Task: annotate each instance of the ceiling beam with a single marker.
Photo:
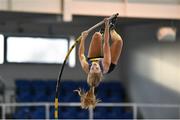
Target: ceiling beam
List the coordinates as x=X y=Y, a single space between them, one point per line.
x=68 y=8
x=126 y=9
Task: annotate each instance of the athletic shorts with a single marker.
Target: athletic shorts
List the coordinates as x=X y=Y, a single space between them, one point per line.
x=111 y=68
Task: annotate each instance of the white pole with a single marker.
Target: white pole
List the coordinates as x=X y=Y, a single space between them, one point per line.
x=91 y=113
x=91 y=116
x=135 y=112
x=3 y=112
x=179 y=111
x=47 y=111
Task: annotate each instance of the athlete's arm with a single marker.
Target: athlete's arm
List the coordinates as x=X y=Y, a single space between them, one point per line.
x=81 y=55
x=106 y=47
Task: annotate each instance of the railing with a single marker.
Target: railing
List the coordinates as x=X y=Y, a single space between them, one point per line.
x=48 y=105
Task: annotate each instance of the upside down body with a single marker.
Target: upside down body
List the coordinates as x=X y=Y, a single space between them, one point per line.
x=97 y=63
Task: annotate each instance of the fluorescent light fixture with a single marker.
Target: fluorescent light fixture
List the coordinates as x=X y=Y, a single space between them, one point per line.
x=72 y=56
x=167 y=34
x=1 y=49
x=36 y=50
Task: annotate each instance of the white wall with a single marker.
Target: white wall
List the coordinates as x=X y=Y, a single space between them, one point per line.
x=153 y=70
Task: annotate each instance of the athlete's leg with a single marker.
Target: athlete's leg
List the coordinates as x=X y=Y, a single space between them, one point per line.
x=95 y=48
x=116 y=46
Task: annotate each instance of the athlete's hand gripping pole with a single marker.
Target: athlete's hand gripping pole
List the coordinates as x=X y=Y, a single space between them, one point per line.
x=56 y=104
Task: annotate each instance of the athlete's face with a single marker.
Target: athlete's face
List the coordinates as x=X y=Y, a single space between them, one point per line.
x=95 y=68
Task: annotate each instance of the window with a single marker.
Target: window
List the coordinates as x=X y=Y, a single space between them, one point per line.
x=36 y=50
x=1 y=49
x=72 y=56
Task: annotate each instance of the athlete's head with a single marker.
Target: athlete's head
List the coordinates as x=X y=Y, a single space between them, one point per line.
x=88 y=99
x=95 y=75
x=95 y=68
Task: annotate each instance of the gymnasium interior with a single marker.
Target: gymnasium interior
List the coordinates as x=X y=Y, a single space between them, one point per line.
x=35 y=36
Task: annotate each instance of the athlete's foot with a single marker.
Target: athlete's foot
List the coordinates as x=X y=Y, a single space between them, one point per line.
x=112 y=23
x=101 y=30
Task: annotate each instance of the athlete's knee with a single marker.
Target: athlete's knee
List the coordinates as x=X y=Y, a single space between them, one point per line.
x=118 y=42
x=97 y=35
x=116 y=37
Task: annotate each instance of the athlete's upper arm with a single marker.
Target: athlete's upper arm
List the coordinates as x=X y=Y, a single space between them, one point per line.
x=84 y=63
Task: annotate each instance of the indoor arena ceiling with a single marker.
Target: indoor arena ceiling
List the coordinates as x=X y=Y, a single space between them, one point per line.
x=20 y=17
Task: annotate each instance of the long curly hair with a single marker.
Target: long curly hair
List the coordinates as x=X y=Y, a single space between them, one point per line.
x=88 y=99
